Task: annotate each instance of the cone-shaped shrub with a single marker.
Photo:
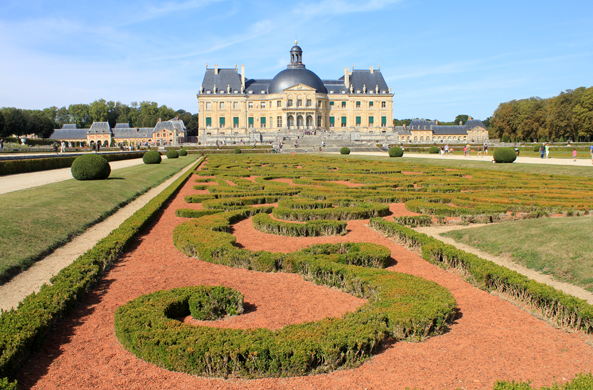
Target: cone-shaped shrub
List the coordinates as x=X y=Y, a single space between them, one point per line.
x=90 y=167
x=504 y=155
x=152 y=157
x=396 y=152
x=172 y=154
x=345 y=150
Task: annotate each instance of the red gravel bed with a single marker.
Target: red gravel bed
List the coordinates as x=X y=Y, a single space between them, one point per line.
x=490 y=339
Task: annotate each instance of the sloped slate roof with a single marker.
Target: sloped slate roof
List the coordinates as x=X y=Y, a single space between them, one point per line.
x=70 y=133
x=224 y=78
x=100 y=128
x=256 y=86
x=143 y=132
x=361 y=78
x=69 y=126
x=452 y=130
x=335 y=86
x=474 y=123
x=122 y=126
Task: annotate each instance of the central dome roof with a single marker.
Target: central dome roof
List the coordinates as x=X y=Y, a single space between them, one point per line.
x=294 y=74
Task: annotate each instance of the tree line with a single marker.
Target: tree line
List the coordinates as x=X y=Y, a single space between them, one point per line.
x=568 y=116
x=43 y=122
x=459 y=118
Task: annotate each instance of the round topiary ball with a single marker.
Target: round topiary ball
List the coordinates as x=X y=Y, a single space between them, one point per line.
x=152 y=157
x=183 y=152
x=172 y=154
x=237 y=151
x=90 y=167
x=504 y=155
x=345 y=150
x=434 y=150
x=396 y=152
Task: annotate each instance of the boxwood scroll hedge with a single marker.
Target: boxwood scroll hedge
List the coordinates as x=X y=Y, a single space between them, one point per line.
x=23 y=330
x=400 y=306
x=265 y=223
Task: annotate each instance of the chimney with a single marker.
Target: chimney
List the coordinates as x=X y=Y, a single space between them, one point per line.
x=372 y=70
x=242 y=78
x=470 y=118
x=460 y=123
x=216 y=69
x=437 y=122
x=159 y=121
x=347 y=78
x=404 y=126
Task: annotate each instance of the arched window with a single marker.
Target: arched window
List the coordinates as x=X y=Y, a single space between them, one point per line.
x=300 y=123
x=309 y=121
x=290 y=121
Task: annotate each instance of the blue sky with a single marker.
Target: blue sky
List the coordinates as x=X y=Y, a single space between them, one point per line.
x=441 y=58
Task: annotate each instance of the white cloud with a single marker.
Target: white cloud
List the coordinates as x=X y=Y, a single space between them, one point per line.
x=329 y=7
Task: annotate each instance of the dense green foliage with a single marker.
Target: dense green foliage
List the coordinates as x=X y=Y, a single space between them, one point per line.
x=23 y=330
x=396 y=151
x=345 y=150
x=172 y=154
x=434 y=150
x=504 y=155
x=264 y=223
x=182 y=152
x=152 y=157
x=237 y=150
x=90 y=167
x=568 y=116
x=207 y=303
x=11 y=167
x=580 y=382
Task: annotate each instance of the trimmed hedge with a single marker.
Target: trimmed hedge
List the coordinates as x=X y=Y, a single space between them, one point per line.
x=172 y=154
x=414 y=221
x=434 y=150
x=504 y=155
x=362 y=211
x=264 y=223
x=400 y=306
x=560 y=308
x=580 y=382
x=345 y=150
x=23 y=330
x=396 y=152
x=11 y=167
x=237 y=151
x=182 y=152
x=152 y=157
x=90 y=167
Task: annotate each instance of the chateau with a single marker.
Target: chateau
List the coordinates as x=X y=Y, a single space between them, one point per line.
x=296 y=98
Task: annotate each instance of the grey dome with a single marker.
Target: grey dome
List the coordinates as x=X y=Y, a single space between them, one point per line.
x=293 y=76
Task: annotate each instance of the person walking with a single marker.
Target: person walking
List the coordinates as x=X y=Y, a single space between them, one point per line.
x=63 y=147
x=542 y=150
x=574 y=154
x=591 y=154
x=547 y=146
x=485 y=149
x=446 y=149
x=2 y=143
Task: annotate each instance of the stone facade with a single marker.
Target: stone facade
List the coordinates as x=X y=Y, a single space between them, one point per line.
x=296 y=99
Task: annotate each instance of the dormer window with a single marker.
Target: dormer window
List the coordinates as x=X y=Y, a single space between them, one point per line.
x=262 y=91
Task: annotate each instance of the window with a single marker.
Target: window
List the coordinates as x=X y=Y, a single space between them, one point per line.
x=319 y=104
x=371 y=121
x=358 y=121
x=222 y=121
x=343 y=121
x=289 y=103
x=357 y=104
x=208 y=122
x=343 y=104
x=262 y=122
x=279 y=103
x=331 y=104
x=332 y=121
x=299 y=102
x=308 y=102
x=235 y=105
x=279 y=121
x=250 y=122
x=250 y=104
x=383 y=121
x=222 y=105
x=208 y=106
x=319 y=121
x=235 y=122
x=370 y=104
x=383 y=104
x=263 y=104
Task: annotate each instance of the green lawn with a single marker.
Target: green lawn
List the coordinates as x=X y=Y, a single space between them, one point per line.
x=561 y=247
x=36 y=220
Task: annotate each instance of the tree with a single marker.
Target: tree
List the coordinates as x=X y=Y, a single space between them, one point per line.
x=99 y=110
x=80 y=114
x=1 y=123
x=14 y=121
x=583 y=115
x=62 y=116
x=461 y=118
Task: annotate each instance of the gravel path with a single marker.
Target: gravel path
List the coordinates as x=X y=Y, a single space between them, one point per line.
x=21 y=181
x=505 y=261
x=32 y=279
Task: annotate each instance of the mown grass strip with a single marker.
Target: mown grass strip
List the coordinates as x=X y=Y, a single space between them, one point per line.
x=35 y=221
x=23 y=330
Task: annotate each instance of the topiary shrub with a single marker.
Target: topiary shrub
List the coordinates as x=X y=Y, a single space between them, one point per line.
x=183 y=152
x=345 y=150
x=504 y=155
x=90 y=167
x=152 y=157
x=396 y=152
x=434 y=150
x=237 y=151
x=172 y=154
